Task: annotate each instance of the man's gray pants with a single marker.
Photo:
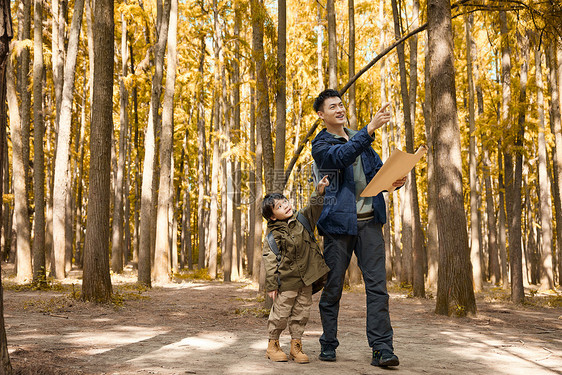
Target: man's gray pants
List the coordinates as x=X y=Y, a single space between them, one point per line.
x=368 y=245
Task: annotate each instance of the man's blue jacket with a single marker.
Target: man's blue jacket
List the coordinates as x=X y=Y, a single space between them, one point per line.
x=335 y=157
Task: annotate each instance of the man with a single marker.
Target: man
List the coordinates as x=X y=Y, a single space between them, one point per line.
x=350 y=223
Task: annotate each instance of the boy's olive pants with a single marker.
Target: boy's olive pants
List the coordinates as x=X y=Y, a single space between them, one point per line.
x=291 y=307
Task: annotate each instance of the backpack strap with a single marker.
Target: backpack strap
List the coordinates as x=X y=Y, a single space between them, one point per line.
x=302 y=219
x=275 y=249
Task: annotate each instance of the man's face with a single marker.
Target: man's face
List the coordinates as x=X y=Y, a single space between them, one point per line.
x=333 y=112
x=282 y=210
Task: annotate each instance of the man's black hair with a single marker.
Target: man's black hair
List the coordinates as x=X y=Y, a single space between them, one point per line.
x=319 y=101
x=268 y=203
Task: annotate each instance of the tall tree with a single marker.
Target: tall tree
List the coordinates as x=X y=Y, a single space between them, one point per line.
x=237 y=219
x=23 y=239
x=117 y=242
x=24 y=33
x=162 y=255
x=96 y=285
x=516 y=256
x=455 y=293
x=352 y=107
x=407 y=217
x=332 y=45
x=546 y=274
x=556 y=78
x=217 y=120
x=61 y=188
x=418 y=258
x=263 y=121
x=281 y=97
x=201 y=156
x=319 y=41
x=39 y=271
x=149 y=165
x=432 y=232
x=507 y=165
x=493 y=263
x=475 y=250
x=6 y=34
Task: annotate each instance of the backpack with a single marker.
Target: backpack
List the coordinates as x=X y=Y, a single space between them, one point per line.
x=318 y=284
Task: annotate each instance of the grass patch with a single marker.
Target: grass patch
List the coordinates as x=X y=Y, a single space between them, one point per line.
x=258 y=312
x=53 y=305
x=199 y=274
x=50 y=285
x=552 y=301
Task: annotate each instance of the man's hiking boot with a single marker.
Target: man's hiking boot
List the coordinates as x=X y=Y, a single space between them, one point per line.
x=327 y=354
x=296 y=353
x=274 y=351
x=384 y=358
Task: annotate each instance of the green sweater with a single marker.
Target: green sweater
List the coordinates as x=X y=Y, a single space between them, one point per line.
x=302 y=262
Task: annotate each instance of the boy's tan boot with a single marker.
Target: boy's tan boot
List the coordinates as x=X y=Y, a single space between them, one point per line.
x=296 y=352
x=274 y=351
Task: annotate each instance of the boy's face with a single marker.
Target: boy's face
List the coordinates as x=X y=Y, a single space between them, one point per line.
x=282 y=210
x=333 y=112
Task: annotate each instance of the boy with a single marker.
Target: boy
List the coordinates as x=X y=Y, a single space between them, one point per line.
x=293 y=261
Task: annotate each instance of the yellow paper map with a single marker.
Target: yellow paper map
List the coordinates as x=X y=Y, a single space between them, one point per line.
x=398 y=165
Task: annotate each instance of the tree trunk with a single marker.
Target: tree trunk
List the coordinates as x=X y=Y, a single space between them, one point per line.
x=281 y=97
x=418 y=248
x=149 y=166
x=173 y=220
x=332 y=46
x=201 y=159
x=397 y=198
x=407 y=216
x=61 y=186
x=385 y=141
x=227 y=232
x=474 y=223
x=319 y=38
x=258 y=223
x=215 y=162
x=23 y=240
x=506 y=126
x=80 y=151
x=515 y=253
x=253 y=214
x=165 y=198
x=117 y=227
x=24 y=33
x=493 y=263
x=186 y=248
x=558 y=139
x=546 y=275
x=432 y=236
x=501 y=221
x=556 y=129
x=263 y=121
x=5 y=36
x=57 y=49
x=352 y=107
x=237 y=257
x=96 y=284
x=455 y=293
x=39 y=271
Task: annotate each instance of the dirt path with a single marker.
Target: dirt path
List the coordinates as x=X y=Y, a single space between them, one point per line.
x=215 y=328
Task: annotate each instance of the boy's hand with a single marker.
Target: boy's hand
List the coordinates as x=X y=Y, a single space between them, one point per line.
x=321 y=187
x=272 y=294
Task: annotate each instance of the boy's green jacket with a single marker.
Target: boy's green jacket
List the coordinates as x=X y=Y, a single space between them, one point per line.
x=302 y=262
